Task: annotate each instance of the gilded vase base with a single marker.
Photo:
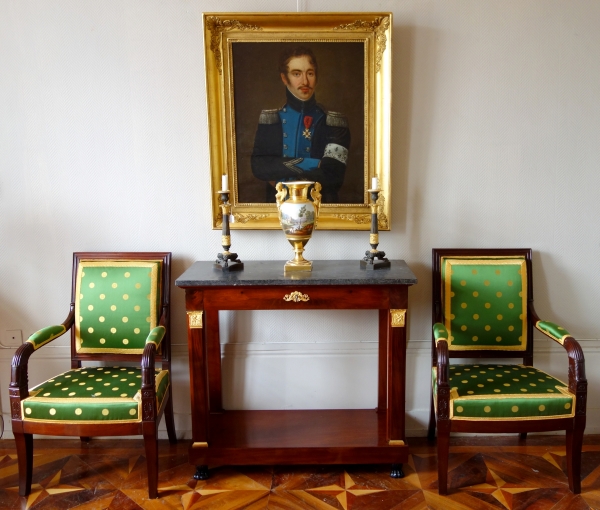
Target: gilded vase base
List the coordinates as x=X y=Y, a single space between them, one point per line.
x=292 y=266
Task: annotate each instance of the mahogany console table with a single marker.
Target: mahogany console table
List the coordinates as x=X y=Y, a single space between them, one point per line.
x=353 y=436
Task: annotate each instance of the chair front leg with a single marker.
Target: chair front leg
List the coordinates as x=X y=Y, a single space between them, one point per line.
x=150 y=430
x=25 y=461
x=578 y=385
x=443 y=452
x=149 y=418
x=18 y=391
x=574 y=446
x=443 y=415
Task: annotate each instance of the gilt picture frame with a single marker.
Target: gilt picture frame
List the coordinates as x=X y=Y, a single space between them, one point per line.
x=265 y=126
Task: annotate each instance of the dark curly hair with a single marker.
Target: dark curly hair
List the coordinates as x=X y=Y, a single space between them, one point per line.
x=298 y=51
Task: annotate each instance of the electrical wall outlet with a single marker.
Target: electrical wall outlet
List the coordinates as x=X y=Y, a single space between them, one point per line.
x=12 y=338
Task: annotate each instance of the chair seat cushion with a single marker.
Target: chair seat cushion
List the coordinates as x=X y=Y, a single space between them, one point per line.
x=91 y=395
x=505 y=392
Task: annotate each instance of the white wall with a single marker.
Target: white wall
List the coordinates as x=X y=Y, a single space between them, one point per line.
x=103 y=146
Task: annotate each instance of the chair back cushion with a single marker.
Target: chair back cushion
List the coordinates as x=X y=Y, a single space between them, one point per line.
x=117 y=303
x=484 y=302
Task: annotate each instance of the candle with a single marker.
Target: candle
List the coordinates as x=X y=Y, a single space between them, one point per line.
x=224 y=183
x=374 y=183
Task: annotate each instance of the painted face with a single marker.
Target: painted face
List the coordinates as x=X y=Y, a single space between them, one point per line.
x=301 y=78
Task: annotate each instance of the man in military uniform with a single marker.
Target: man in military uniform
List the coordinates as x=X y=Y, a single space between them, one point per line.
x=301 y=140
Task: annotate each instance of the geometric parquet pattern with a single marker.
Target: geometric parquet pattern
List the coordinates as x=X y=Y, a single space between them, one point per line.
x=491 y=472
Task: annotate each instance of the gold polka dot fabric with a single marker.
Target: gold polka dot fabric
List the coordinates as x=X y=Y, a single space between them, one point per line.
x=92 y=394
x=554 y=331
x=45 y=335
x=506 y=392
x=117 y=305
x=485 y=303
x=440 y=332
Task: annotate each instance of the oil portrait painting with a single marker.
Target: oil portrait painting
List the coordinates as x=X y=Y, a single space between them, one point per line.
x=299 y=97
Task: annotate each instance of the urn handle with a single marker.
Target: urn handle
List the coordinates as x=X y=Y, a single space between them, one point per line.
x=281 y=194
x=315 y=194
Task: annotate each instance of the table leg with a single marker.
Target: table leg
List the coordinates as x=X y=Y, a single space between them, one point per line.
x=382 y=361
x=198 y=379
x=213 y=359
x=397 y=365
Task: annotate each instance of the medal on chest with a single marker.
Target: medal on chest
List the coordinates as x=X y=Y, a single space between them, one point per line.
x=307 y=123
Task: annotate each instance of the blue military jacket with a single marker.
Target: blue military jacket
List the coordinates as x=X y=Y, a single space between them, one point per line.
x=301 y=141
x=297 y=137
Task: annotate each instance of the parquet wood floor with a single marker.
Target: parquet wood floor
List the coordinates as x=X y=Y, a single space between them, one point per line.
x=488 y=472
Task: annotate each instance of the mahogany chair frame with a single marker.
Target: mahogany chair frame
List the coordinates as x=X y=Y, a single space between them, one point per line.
x=441 y=355
x=148 y=426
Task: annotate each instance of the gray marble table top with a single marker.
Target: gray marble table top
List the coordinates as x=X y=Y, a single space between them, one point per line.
x=270 y=272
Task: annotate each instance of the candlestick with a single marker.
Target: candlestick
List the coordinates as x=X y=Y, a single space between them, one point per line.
x=374 y=259
x=226 y=261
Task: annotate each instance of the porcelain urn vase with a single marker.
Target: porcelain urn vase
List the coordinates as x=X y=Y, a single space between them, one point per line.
x=298 y=217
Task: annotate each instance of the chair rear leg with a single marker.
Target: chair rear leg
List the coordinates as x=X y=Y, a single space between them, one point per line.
x=151 y=447
x=443 y=451
x=25 y=461
x=522 y=436
x=170 y=419
x=574 y=445
x=85 y=439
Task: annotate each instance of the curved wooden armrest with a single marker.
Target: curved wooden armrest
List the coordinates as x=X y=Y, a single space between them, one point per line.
x=443 y=369
x=443 y=375
x=48 y=334
x=19 y=384
x=156 y=335
x=149 y=410
x=150 y=350
x=148 y=365
x=577 y=378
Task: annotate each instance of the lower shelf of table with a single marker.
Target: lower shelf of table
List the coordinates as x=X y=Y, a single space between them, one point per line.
x=297 y=437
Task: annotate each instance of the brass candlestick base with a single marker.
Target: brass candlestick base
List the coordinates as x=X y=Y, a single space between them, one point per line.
x=374 y=259
x=226 y=261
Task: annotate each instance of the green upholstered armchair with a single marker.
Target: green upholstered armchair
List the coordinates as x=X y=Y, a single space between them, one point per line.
x=119 y=314
x=483 y=309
